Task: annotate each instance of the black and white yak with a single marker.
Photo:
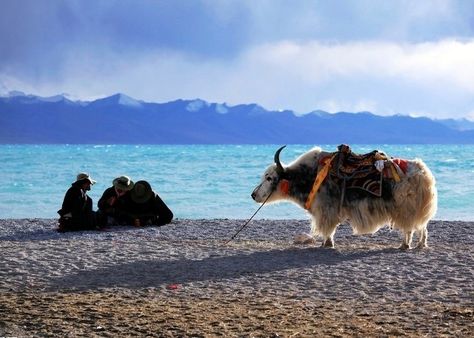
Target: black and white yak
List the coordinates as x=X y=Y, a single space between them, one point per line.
x=406 y=204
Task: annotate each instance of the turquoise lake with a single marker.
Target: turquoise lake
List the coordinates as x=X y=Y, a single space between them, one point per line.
x=200 y=181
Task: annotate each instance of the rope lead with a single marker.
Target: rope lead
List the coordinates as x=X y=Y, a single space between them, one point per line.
x=246 y=223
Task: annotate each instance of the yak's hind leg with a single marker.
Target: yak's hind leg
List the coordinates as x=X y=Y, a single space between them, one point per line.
x=422 y=243
x=407 y=237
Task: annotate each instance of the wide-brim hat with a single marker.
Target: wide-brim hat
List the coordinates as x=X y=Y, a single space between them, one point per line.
x=141 y=192
x=123 y=183
x=85 y=177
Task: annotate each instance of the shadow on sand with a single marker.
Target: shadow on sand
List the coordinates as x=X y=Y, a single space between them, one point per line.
x=151 y=273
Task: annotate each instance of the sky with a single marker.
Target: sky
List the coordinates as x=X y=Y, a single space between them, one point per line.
x=408 y=57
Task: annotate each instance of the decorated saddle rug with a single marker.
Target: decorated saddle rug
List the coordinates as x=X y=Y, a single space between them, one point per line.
x=371 y=183
x=359 y=171
x=354 y=171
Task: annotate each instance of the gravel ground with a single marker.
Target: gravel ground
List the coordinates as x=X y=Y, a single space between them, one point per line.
x=183 y=280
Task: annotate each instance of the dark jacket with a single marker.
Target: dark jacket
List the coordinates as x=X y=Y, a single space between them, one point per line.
x=79 y=205
x=154 y=211
x=118 y=210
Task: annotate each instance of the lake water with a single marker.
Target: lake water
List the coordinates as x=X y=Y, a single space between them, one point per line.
x=199 y=181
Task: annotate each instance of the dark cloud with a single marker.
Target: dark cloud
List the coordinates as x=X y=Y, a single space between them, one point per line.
x=37 y=34
x=34 y=32
x=179 y=25
x=29 y=34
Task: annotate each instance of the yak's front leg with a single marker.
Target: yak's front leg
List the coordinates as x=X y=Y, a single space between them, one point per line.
x=327 y=232
x=325 y=226
x=328 y=242
x=407 y=237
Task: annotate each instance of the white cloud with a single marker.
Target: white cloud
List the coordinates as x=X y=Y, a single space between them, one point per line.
x=363 y=75
x=447 y=61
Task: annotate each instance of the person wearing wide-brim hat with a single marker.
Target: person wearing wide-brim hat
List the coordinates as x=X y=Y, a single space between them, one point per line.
x=76 y=212
x=112 y=204
x=146 y=207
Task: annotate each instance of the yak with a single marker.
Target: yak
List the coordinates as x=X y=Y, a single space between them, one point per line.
x=405 y=198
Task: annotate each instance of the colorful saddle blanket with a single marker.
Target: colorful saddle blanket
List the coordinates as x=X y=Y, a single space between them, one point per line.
x=358 y=171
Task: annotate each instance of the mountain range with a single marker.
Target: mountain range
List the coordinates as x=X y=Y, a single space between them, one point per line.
x=120 y=119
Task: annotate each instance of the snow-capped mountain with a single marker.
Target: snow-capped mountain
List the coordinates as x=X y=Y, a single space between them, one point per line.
x=123 y=119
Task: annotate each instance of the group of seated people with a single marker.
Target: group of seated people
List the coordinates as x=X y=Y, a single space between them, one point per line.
x=124 y=203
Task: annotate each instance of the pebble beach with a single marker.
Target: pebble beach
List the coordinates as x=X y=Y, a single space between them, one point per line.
x=184 y=280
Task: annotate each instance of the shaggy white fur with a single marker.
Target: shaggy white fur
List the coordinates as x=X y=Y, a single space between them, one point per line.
x=412 y=203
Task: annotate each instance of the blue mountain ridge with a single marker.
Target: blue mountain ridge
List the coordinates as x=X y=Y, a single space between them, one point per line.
x=120 y=119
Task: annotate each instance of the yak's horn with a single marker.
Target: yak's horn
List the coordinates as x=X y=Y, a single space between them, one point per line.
x=280 y=170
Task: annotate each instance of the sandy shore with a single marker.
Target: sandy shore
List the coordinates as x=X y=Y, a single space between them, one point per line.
x=181 y=280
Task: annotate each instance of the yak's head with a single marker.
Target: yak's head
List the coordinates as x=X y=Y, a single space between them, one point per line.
x=271 y=181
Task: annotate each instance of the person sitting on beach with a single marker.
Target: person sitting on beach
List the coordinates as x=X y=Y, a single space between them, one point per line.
x=76 y=212
x=145 y=207
x=112 y=204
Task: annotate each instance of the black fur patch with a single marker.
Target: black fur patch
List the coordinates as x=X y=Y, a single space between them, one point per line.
x=302 y=181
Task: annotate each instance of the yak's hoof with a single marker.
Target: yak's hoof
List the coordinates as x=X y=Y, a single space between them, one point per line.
x=328 y=244
x=421 y=246
x=404 y=246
